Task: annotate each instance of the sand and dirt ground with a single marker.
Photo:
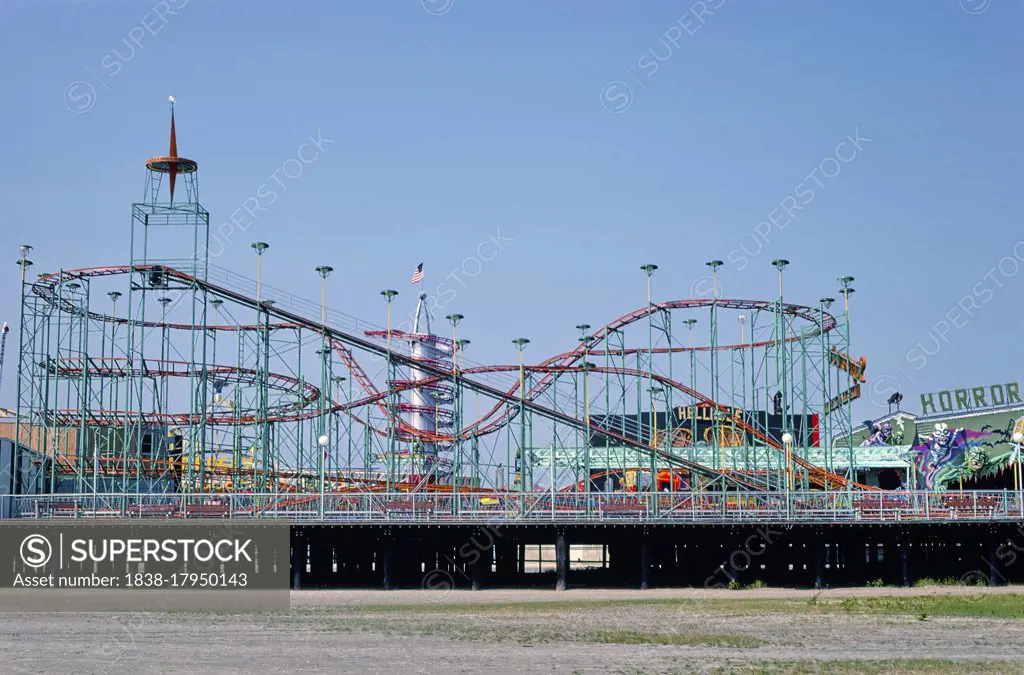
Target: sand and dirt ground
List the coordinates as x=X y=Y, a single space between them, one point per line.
x=963 y=630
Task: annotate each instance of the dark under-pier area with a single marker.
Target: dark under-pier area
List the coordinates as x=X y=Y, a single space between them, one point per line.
x=444 y=557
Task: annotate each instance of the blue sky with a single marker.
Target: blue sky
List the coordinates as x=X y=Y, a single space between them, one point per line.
x=592 y=136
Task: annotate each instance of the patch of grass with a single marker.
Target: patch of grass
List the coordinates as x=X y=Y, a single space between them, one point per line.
x=967 y=604
x=876 y=583
x=757 y=584
x=928 y=582
x=502 y=632
x=998 y=606
x=631 y=637
x=869 y=667
x=525 y=607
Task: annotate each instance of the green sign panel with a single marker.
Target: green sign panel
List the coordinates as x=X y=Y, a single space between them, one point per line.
x=973 y=398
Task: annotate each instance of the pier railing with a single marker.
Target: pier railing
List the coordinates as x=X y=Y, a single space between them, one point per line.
x=538 y=508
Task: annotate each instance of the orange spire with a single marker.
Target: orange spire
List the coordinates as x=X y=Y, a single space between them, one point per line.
x=174 y=140
x=173 y=154
x=172 y=164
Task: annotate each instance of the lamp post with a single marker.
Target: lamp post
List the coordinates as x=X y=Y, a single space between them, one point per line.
x=520 y=343
x=689 y=323
x=787 y=442
x=460 y=346
x=113 y=295
x=846 y=291
x=826 y=388
x=322 y=441
x=742 y=318
x=264 y=392
x=455 y=319
x=323 y=271
x=587 y=367
x=112 y=389
x=1018 y=484
x=24 y=263
x=474 y=478
x=654 y=392
x=780 y=264
x=217 y=302
x=713 y=265
x=389 y=296
x=648 y=270
x=582 y=328
x=586 y=341
x=845 y=282
x=262 y=359
x=164 y=355
x=259 y=247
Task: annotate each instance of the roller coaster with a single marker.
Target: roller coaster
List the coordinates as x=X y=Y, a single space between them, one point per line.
x=171 y=376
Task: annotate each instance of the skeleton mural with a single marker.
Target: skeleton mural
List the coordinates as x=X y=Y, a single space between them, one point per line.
x=952 y=454
x=881 y=434
x=940 y=452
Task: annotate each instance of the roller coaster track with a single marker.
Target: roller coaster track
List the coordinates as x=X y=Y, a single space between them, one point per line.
x=121 y=367
x=508 y=401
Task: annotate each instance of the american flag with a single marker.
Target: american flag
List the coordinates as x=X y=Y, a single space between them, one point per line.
x=417 y=276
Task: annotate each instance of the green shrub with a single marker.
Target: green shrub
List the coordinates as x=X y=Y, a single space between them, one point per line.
x=925 y=582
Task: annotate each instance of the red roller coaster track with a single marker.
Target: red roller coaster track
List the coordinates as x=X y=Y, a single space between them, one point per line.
x=504 y=410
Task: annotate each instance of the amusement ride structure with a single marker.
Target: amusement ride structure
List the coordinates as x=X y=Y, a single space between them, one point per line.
x=168 y=376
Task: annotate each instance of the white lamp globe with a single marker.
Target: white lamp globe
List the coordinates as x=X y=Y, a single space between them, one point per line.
x=1018 y=437
x=323 y=440
x=787 y=438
